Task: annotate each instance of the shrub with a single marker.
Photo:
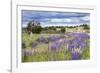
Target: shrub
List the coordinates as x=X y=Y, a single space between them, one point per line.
x=63 y=30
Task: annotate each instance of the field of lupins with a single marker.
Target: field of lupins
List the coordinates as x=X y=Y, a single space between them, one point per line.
x=55 y=47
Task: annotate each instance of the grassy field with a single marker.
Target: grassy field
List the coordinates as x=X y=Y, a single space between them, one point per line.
x=55 y=47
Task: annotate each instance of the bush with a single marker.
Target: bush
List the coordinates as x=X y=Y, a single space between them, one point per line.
x=34 y=27
x=63 y=30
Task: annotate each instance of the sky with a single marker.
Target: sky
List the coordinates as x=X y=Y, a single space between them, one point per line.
x=48 y=18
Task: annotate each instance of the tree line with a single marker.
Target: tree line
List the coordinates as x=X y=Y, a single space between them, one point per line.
x=35 y=27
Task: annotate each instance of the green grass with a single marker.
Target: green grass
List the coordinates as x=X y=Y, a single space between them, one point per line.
x=43 y=53
x=47 y=56
x=86 y=54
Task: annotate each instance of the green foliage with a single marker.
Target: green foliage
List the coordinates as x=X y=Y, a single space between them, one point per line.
x=27 y=59
x=42 y=53
x=85 y=26
x=29 y=28
x=86 y=54
x=63 y=30
x=40 y=57
x=47 y=56
x=34 y=27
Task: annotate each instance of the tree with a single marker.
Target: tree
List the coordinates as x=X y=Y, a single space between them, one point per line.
x=34 y=27
x=29 y=28
x=85 y=26
x=63 y=30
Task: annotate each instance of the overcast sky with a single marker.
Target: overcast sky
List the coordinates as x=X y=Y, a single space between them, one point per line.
x=47 y=18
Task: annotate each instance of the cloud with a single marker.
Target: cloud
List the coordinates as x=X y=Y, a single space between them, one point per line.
x=48 y=14
x=85 y=18
x=61 y=20
x=54 y=18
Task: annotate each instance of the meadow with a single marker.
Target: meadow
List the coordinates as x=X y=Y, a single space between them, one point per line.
x=56 y=45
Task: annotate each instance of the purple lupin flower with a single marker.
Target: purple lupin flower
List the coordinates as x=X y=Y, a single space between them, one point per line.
x=33 y=44
x=42 y=40
x=27 y=53
x=75 y=56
